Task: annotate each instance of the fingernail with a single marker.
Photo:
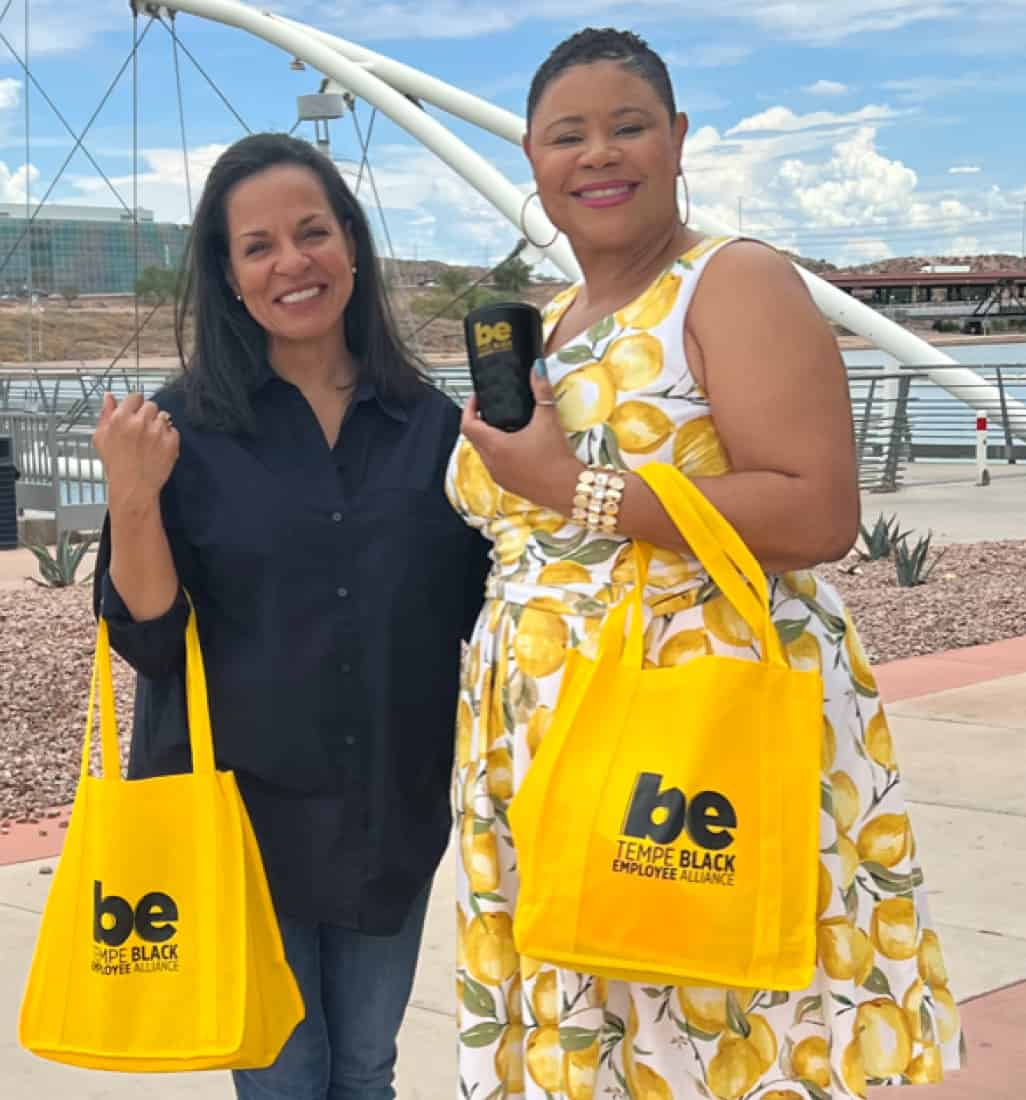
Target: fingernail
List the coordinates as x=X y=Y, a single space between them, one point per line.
x=540 y=368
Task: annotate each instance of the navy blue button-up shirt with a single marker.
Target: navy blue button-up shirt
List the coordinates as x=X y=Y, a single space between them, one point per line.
x=332 y=586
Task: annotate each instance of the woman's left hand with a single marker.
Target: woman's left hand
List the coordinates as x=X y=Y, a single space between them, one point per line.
x=535 y=463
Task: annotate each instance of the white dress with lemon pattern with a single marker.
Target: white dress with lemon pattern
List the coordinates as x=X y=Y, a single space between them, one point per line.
x=880 y=1010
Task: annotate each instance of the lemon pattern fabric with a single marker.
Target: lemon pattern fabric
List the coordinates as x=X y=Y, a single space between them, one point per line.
x=880 y=1010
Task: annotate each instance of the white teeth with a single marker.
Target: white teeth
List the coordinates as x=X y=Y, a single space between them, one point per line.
x=301 y=295
x=606 y=192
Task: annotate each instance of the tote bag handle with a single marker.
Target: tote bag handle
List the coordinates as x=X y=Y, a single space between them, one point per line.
x=721 y=552
x=201 y=740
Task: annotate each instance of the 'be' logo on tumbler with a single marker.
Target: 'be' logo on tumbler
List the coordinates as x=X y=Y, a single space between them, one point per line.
x=487 y=335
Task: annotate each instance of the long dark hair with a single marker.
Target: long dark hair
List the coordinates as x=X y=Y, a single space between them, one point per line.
x=229 y=348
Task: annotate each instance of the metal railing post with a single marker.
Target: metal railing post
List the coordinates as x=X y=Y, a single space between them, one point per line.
x=1005 y=426
x=899 y=423
x=863 y=433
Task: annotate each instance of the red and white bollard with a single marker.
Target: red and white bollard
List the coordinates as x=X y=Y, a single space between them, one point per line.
x=982 y=473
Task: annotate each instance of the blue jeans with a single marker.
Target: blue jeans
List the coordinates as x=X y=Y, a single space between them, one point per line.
x=356 y=988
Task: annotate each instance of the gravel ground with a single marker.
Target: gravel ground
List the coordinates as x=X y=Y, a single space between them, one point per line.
x=977 y=594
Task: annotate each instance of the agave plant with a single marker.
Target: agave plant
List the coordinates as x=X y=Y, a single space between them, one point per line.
x=911 y=566
x=58 y=570
x=882 y=540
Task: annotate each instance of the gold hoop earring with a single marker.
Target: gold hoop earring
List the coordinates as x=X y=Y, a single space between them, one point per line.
x=523 y=227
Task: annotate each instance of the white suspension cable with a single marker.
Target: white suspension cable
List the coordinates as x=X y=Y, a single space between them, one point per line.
x=364 y=143
x=181 y=116
x=28 y=201
x=135 y=184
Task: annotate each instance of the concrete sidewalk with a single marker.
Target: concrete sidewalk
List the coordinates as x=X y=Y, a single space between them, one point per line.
x=941 y=497
x=963 y=750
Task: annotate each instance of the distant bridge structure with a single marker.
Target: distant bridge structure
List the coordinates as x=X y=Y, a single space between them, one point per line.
x=971 y=297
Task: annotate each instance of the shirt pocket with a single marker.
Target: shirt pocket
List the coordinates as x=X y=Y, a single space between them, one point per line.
x=411 y=537
x=409 y=509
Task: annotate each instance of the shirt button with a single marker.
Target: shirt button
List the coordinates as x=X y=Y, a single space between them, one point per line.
x=347 y=668
x=336 y=517
x=350 y=740
x=342 y=593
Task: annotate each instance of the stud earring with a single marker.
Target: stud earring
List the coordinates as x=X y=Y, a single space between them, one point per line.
x=354 y=269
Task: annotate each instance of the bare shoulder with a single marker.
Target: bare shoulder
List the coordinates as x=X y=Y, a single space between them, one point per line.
x=744 y=264
x=755 y=279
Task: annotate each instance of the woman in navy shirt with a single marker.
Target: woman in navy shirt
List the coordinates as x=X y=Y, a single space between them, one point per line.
x=292 y=483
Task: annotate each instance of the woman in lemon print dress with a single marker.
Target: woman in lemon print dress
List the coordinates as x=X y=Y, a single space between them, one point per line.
x=709 y=355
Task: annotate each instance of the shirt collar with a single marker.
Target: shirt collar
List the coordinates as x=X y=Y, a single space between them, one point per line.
x=366 y=391
x=390 y=406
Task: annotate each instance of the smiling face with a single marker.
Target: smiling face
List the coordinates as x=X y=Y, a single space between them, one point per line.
x=605 y=155
x=289 y=258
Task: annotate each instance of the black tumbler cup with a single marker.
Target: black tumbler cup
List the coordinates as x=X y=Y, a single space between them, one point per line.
x=503 y=341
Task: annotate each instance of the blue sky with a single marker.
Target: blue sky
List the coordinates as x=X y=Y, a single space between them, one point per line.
x=848 y=129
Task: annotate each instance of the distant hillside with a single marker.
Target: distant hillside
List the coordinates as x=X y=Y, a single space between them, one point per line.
x=414 y=273
x=817 y=267
x=994 y=261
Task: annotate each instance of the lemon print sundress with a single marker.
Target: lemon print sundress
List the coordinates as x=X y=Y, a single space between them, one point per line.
x=880 y=1010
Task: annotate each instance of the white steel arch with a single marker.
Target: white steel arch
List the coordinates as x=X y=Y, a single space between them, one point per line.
x=385 y=84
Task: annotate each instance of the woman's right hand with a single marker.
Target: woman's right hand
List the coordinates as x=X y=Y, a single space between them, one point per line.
x=138 y=446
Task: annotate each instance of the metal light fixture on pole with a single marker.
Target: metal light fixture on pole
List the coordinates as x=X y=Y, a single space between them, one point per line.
x=319 y=108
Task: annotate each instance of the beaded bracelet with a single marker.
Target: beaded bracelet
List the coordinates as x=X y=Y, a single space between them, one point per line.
x=597 y=498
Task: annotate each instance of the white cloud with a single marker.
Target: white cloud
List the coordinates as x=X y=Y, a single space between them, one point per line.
x=51 y=31
x=161 y=182
x=699 y=101
x=712 y=56
x=816 y=22
x=826 y=88
x=12 y=184
x=836 y=195
x=964 y=170
x=784 y=120
x=430 y=210
x=424 y=200
x=502 y=84
x=928 y=87
x=857 y=185
x=804 y=20
x=867 y=252
x=10 y=93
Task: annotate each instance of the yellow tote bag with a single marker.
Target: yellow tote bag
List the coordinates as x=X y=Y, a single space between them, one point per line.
x=159 y=948
x=667 y=830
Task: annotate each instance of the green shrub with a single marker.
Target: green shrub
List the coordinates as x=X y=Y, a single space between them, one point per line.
x=58 y=570
x=910 y=565
x=443 y=305
x=879 y=542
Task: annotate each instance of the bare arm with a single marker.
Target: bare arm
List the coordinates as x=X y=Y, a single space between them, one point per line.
x=778 y=396
x=139 y=449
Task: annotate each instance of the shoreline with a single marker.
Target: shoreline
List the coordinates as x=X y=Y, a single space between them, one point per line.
x=937 y=340
x=441 y=356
